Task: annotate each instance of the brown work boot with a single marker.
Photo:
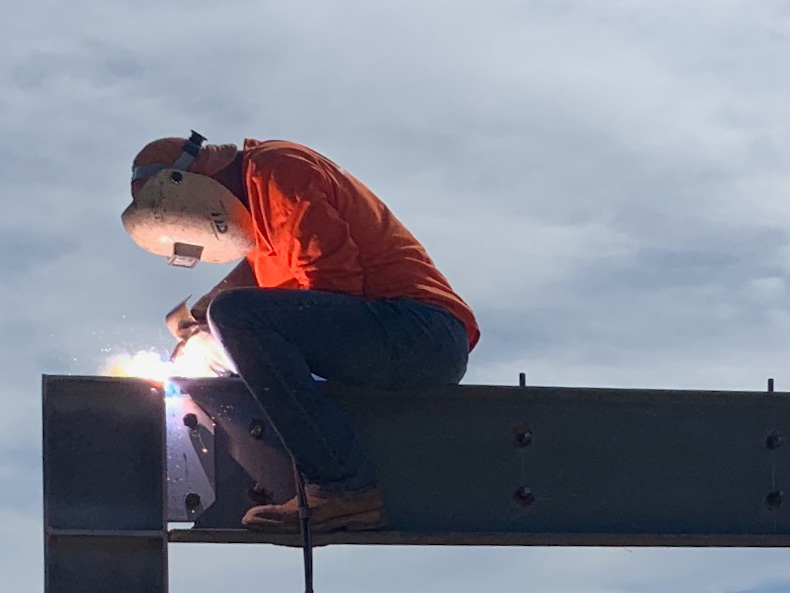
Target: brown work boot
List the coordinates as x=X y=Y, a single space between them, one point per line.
x=353 y=512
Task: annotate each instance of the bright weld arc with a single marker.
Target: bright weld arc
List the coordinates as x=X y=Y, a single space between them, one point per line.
x=200 y=358
x=171 y=389
x=145 y=364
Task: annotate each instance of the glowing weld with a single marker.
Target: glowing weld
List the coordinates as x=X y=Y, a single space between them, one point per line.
x=201 y=357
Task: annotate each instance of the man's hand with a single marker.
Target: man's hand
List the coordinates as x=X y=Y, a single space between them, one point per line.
x=196 y=329
x=200 y=355
x=181 y=322
x=197 y=353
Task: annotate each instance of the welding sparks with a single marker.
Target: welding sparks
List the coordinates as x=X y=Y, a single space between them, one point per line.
x=200 y=356
x=143 y=364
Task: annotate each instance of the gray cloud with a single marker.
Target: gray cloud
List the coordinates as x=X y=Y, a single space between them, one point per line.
x=604 y=182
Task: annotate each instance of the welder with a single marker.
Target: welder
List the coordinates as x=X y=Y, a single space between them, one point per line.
x=330 y=285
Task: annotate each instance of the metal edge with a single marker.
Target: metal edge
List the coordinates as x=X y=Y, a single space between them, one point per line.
x=88 y=533
x=608 y=394
x=45 y=380
x=163 y=493
x=399 y=538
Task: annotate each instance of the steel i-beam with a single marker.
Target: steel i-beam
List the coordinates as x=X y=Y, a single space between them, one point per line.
x=462 y=465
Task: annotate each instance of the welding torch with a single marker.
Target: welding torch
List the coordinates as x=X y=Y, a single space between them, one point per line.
x=183 y=325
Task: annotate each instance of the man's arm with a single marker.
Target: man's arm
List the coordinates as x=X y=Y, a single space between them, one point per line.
x=240 y=277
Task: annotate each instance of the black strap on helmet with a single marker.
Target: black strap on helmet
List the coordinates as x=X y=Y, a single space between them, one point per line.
x=183 y=162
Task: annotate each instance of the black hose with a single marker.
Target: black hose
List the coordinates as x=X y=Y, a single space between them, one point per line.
x=304 y=523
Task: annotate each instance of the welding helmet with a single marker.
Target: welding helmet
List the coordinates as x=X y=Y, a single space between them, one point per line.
x=187 y=217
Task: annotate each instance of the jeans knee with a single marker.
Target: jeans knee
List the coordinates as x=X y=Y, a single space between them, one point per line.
x=226 y=307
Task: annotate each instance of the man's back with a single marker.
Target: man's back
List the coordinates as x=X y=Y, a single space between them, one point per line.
x=320 y=228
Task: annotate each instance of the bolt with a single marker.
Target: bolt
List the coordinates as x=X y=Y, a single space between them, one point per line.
x=256 y=429
x=192 y=500
x=176 y=177
x=258 y=494
x=773 y=500
x=774 y=440
x=190 y=421
x=523 y=435
x=524 y=496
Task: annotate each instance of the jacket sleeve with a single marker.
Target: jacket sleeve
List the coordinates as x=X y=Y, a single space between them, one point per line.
x=304 y=229
x=240 y=277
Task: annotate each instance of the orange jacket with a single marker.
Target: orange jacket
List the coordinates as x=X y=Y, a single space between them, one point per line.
x=319 y=228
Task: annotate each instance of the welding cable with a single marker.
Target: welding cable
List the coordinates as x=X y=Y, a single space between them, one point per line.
x=304 y=523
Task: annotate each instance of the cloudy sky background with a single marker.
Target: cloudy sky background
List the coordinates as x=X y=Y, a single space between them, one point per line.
x=605 y=182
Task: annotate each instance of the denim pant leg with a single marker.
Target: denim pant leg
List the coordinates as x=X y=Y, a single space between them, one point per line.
x=279 y=338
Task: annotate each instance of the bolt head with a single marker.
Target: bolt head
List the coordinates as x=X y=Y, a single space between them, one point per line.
x=522 y=435
x=259 y=494
x=524 y=439
x=190 y=421
x=773 y=500
x=524 y=496
x=774 y=440
x=192 y=500
x=256 y=429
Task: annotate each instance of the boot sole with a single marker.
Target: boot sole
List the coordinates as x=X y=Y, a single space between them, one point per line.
x=359 y=522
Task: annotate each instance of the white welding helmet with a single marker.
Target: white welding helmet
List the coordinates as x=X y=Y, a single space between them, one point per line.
x=187 y=217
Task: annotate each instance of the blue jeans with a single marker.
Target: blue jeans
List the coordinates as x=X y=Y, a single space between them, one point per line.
x=279 y=338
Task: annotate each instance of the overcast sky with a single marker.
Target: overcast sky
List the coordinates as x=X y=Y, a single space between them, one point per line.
x=605 y=182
